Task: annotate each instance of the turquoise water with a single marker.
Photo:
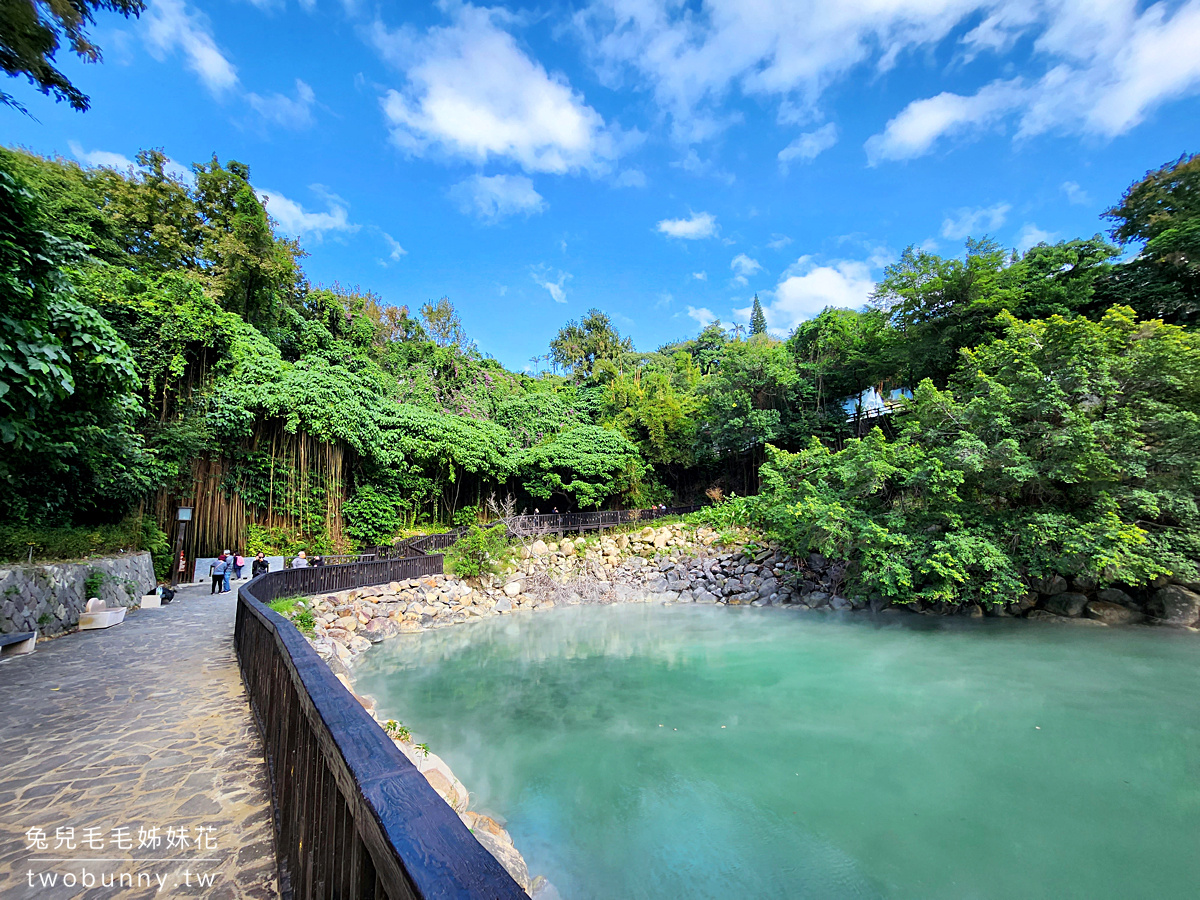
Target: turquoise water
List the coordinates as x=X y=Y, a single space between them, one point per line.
x=681 y=752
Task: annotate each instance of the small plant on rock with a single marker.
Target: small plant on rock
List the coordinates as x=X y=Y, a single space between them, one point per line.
x=93 y=583
x=397 y=732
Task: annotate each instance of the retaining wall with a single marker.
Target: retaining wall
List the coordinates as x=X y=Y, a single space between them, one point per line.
x=49 y=598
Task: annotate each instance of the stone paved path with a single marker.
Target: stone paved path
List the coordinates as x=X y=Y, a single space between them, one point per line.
x=144 y=725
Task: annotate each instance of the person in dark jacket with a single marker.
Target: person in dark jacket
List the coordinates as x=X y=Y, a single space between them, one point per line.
x=260 y=565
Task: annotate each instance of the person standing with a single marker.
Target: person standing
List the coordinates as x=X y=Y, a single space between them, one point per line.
x=228 y=557
x=301 y=561
x=220 y=572
x=260 y=566
x=238 y=562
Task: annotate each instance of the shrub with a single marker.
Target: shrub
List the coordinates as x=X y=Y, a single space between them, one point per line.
x=295 y=610
x=133 y=533
x=725 y=515
x=1066 y=446
x=372 y=515
x=479 y=550
x=468 y=515
x=93 y=583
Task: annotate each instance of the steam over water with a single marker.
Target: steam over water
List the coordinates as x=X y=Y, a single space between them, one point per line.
x=642 y=751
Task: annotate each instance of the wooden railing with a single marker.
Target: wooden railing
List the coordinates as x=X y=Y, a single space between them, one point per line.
x=328 y=579
x=353 y=817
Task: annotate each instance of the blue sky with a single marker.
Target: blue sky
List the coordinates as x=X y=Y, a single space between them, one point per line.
x=661 y=160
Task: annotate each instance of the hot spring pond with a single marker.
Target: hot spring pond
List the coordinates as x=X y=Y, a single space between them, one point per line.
x=640 y=751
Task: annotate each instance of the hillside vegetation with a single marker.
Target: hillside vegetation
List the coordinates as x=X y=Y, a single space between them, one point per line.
x=162 y=345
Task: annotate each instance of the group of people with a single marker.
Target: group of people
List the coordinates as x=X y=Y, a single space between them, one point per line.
x=228 y=568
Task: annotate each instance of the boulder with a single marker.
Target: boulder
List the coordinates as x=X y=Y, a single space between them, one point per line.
x=568 y=548
x=1026 y=601
x=504 y=604
x=1066 y=603
x=1055 y=584
x=646 y=534
x=513 y=588
x=378 y=629
x=1175 y=605
x=1112 y=613
x=661 y=539
x=347 y=623
x=1042 y=615
x=1116 y=595
x=539 y=548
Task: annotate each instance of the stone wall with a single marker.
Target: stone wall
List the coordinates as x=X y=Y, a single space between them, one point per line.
x=49 y=598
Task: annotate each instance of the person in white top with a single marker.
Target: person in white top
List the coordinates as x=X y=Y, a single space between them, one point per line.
x=301 y=560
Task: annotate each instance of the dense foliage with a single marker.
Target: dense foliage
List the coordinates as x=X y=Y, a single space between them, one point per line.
x=162 y=345
x=1064 y=446
x=31 y=32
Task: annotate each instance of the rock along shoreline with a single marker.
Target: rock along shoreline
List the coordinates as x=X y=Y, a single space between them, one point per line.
x=667 y=564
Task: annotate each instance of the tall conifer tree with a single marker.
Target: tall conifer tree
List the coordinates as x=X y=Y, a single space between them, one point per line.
x=758 y=319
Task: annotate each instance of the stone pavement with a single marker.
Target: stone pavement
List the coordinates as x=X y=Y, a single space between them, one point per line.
x=142 y=726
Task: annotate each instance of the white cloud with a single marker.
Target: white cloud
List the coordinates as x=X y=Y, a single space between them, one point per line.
x=171 y=25
x=472 y=93
x=99 y=157
x=1095 y=68
x=778 y=241
x=808 y=146
x=914 y=131
x=282 y=110
x=1030 y=236
x=743 y=267
x=965 y=223
x=541 y=276
x=703 y=316
x=693 y=55
x=1107 y=67
x=396 y=251
x=695 y=227
x=1076 y=195
x=296 y=221
x=630 y=178
x=494 y=197
x=700 y=276
x=807 y=288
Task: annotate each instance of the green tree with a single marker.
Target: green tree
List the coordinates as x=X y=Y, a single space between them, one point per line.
x=841 y=353
x=67 y=382
x=579 y=346
x=1162 y=212
x=1065 y=446
x=253 y=273
x=758 y=319
x=31 y=32
x=585 y=465
x=445 y=327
